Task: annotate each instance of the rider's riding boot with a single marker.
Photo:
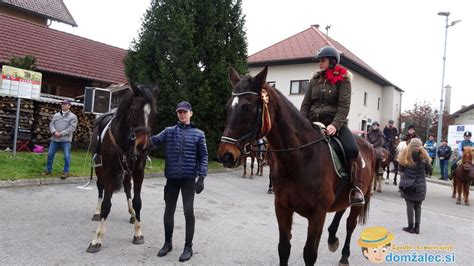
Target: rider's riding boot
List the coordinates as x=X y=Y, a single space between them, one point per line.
x=356 y=194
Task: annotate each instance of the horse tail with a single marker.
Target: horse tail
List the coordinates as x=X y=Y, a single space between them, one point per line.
x=364 y=214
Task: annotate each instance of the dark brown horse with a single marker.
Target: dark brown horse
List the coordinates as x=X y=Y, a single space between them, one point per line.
x=392 y=158
x=255 y=155
x=303 y=178
x=463 y=176
x=123 y=140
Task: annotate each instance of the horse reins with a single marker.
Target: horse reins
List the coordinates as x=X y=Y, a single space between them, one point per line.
x=263 y=127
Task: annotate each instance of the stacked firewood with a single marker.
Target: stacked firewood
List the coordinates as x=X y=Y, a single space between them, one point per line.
x=8 y=118
x=35 y=117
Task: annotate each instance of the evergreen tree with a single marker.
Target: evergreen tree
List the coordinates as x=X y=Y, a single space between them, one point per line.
x=186 y=47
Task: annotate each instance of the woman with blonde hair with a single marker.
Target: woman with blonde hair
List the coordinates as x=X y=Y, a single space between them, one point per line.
x=414 y=162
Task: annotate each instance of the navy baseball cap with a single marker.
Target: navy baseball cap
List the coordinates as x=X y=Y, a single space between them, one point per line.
x=66 y=102
x=184 y=105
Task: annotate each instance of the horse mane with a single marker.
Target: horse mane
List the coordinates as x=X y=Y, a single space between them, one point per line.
x=467 y=155
x=288 y=112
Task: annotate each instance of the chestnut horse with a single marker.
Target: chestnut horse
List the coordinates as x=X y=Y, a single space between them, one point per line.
x=463 y=176
x=303 y=178
x=123 y=138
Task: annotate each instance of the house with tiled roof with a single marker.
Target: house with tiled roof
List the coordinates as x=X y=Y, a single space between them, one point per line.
x=464 y=116
x=291 y=64
x=68 y=63
x=38 y=11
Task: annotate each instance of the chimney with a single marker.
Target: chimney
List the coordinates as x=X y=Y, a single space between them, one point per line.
x=316 y=26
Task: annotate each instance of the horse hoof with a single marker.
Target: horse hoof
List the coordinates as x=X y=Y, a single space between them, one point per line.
x=333 y=247
x=96 y=217
x=138 y=240
x=379 y=190
x=458 y=202
x=343 y=263
x=394 y=183
x=453 y=196
x=93 y=248
x=132 y=220
x=467 y=204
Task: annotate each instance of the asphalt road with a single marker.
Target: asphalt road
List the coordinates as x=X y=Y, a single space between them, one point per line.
x=235 y=225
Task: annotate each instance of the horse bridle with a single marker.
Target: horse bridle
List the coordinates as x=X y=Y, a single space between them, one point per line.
x=253 y=134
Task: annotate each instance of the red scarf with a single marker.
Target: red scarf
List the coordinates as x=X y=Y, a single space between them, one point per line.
x=336 y=74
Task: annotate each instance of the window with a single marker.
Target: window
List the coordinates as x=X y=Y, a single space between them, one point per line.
x=272 y=83
x=299 y=86
x=378 y=103
x=365 y=98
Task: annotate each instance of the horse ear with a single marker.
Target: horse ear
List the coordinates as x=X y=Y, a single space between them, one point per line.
x=234 y=76
x=261 y=77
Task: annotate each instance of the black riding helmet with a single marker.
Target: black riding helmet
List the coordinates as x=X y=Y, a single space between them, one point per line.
x=331 y=53
x=467 y=134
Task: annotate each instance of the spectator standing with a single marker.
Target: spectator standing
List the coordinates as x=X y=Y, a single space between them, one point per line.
x=430 y=146
x=444 y=153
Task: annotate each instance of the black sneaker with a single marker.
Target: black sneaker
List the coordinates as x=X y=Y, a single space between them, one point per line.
x=46 y=173
x=64 y=175
x=187 y=254
x=167 y=247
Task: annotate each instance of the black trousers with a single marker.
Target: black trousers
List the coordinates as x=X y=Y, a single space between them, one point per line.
x=348 y=142
x=413 y=206
x=172 y=188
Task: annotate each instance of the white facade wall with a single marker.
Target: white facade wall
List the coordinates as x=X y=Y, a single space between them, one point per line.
x=466 y=118
x=360 y=115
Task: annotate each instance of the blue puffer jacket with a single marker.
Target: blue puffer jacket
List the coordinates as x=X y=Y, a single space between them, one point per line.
x=185 y=151
x=430 y=147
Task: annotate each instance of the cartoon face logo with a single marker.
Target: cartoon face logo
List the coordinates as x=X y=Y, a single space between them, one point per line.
x=375 y=242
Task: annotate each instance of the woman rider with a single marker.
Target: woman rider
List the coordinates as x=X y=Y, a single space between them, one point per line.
x=328 y=101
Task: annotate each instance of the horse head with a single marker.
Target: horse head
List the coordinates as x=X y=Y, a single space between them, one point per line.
x=245 y=117
x=467 y=158
x=135 y=116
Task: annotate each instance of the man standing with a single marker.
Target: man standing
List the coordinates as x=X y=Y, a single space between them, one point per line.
x=186 y=159
x=62 y=127
x=389 y=133
x=430 y=147
x=444 y=153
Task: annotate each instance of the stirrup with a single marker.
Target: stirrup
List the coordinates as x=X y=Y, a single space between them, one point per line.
x=356 y=204
x=98 y=158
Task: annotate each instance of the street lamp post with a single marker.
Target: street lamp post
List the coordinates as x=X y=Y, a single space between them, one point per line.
x=440 y=112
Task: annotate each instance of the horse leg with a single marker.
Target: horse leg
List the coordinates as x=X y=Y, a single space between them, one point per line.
x=100 y=189
x=96 y=243
x=252 y=160
x=379 y=183
x=459 y=190
x=315 y=229
x=333 y=241
x=245 y=168
x=466 y=185
x=137 y=206
x=127 y=188
x=454 y=187
x=351 y=223
x=395 y=166
x=270 y=186
x=285 y=220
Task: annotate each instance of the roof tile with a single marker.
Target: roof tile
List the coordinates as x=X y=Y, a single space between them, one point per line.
x=52 y=9
x=61 y=52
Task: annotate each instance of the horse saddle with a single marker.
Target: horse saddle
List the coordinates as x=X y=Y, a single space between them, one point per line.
x=101 y=124
x=337 y=152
